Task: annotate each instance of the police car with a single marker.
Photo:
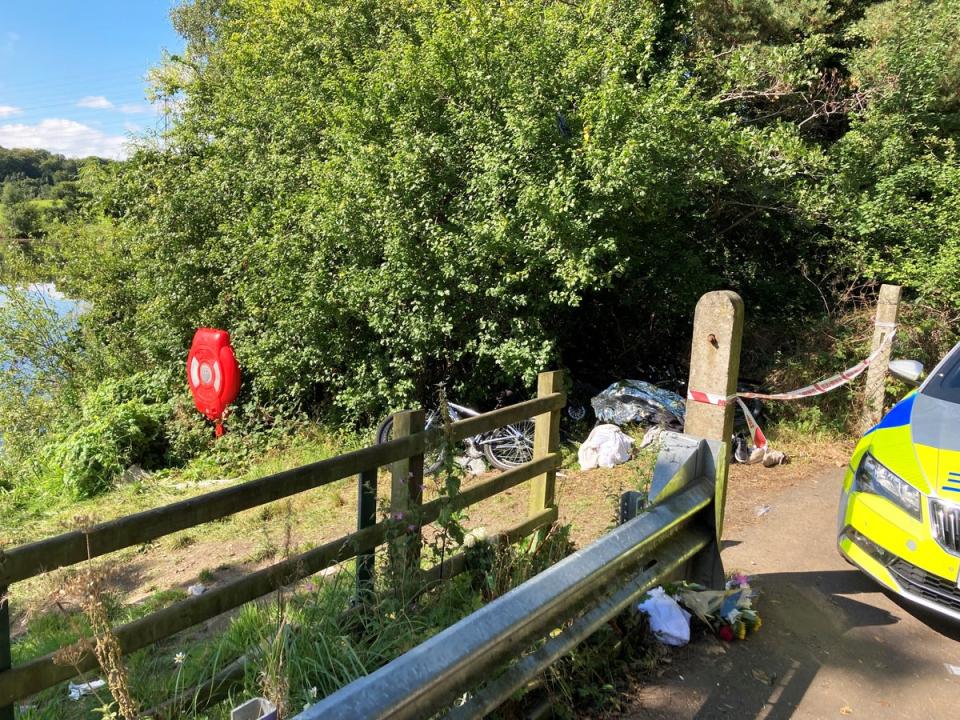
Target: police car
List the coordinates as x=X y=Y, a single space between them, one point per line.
x=899 y=518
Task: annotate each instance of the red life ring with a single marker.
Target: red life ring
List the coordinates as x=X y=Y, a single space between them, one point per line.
x=213 y=374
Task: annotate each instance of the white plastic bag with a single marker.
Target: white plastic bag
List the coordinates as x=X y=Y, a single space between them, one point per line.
x=77 y=690
x=669 y=622
x=605 y=446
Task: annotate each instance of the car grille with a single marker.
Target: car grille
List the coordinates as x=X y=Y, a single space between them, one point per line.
x=945 y=520
x=930 y=587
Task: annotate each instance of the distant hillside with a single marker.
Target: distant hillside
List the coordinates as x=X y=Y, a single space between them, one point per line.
x=39 y=165
x=37 y=187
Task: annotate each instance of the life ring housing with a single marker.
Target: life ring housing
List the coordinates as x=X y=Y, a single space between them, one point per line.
x=213 y=374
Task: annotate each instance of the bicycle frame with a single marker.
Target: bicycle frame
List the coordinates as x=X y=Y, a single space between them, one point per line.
x=458 y=412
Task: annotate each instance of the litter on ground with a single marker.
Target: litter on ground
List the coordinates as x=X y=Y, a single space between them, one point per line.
x=605 y=446
x=746 y=454
x=77 y=690
x=668 y=621
x=636 y=401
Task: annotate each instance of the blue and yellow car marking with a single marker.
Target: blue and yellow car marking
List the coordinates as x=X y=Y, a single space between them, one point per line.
x=918 y=442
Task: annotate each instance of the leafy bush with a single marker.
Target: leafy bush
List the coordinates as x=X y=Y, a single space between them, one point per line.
x=110 y=439
x=375 y=196
x=444 y=190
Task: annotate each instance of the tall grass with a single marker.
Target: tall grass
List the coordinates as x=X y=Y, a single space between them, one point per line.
x=301 y=644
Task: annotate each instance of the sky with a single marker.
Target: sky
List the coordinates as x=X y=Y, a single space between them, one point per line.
x=72 y=72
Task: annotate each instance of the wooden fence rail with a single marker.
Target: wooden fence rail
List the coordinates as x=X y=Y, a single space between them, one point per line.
x=405 y=453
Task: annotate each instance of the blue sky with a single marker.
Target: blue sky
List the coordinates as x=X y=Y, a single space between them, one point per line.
x=72 y=72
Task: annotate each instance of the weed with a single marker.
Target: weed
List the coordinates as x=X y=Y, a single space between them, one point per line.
x=265 y=551
x=182 y=542
x=91 y=596
x=158 y=600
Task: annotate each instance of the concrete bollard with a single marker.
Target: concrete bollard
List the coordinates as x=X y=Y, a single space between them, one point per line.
x=714 y=366
x=886 y=320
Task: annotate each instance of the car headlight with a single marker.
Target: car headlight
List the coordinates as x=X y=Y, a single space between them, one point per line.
x=874 y=478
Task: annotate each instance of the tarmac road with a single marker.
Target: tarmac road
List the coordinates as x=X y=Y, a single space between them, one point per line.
x=833 y=643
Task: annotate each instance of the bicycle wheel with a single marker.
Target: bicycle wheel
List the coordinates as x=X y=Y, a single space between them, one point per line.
x=510 y=446
x=433 y=456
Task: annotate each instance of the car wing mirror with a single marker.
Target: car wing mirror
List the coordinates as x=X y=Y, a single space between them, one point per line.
x=910 y=371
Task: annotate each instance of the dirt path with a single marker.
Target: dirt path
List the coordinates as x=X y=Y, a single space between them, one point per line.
x=833 y=644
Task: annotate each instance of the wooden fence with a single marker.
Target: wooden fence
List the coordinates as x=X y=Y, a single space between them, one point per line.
x=404 y=454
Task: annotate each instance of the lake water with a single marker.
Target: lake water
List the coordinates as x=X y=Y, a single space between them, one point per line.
x=55 y=299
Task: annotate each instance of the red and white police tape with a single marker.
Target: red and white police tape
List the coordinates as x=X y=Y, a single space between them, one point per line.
x=818 y=388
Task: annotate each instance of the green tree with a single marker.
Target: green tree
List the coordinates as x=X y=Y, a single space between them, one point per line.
x=374 y=196
x=21 y=215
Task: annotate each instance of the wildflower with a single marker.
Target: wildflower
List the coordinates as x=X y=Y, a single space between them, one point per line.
x=313 y=693
x=179 y=658
x=474 y=536
x=396 y=515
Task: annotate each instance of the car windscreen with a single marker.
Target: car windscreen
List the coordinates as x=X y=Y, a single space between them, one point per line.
x=945 y=383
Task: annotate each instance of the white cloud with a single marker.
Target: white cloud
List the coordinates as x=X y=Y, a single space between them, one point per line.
x=98 y=102
x=8 y=110
x=68 y=137
x=135 y=108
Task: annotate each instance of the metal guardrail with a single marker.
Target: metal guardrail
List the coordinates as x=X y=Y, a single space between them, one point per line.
x=675 y=536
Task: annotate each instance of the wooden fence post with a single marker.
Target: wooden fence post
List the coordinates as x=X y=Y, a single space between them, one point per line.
x=888 y=303
x=406 y=492
x=6 y=660
x=366 y=517
x=546 y=440
x=714 y=366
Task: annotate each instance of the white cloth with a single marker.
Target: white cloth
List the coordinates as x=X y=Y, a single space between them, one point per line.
x=668 y=621
x=605 y=446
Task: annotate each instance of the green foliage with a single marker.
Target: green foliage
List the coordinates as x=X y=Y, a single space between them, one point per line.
x=376 y=195
x=111 y=437
x=909 y=56
x=446 y=190
x=21 y=215
x=36 y=189
x=44 y=167
x=894 y=202
x=39 y=375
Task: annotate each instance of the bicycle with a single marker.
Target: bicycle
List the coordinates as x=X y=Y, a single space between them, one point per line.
x=504 y=448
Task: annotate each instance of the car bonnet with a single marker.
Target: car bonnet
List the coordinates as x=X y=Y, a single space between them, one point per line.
x=935 y=432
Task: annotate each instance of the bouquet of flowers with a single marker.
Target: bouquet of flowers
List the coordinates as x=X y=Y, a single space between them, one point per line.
x=728 y=612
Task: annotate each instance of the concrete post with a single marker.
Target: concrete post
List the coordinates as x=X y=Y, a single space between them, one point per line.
x=714 y=366
x=886 y=319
